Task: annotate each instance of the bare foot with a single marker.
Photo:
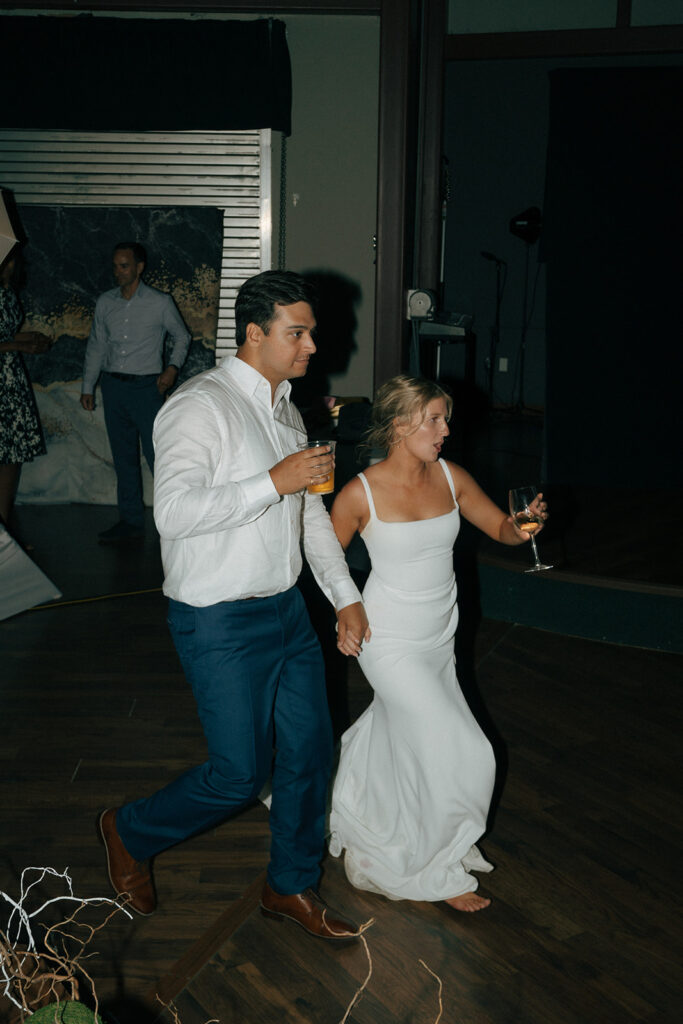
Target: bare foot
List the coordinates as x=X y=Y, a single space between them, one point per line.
x=468 y=901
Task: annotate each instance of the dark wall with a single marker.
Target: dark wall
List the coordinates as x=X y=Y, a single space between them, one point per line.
x=92 y=74
x=496 y=118
x=612 y=240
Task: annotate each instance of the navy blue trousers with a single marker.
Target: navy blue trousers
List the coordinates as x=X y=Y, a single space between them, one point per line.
x=130 y=407
x=257 y=674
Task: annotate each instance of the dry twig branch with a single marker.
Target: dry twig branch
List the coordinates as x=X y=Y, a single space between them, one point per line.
x=172 y=1009
x=359 y=993
x=29 y=976
x=440 y=988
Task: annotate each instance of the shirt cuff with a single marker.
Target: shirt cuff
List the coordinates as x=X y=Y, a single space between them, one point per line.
x=259 y=491
x=345 y=593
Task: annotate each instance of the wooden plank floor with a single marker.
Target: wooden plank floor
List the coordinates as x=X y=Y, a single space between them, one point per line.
x=96 y=711
x=585 y=920
x=586 y=836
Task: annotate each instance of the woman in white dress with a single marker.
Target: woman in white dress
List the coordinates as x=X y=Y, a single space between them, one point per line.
x=416 y=773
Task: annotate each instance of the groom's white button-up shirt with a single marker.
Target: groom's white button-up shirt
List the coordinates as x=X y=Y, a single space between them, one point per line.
x=226 y=534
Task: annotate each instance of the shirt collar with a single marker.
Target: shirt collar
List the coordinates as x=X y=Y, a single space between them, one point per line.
x=254 y=383
x=138 y=291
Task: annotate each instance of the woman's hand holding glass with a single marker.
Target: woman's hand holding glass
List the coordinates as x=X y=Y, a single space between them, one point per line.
x=529 y=513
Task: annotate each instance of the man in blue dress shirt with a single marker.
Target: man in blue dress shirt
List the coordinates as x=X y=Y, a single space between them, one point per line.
x=125 y=351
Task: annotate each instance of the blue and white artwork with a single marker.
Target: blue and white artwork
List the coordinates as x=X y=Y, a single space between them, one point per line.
x=68 y=264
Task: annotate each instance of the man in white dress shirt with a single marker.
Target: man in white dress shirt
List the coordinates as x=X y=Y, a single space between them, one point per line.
x=231 y=507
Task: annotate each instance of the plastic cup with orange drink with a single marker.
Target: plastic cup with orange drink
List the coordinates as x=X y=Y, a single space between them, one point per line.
x=326 y=484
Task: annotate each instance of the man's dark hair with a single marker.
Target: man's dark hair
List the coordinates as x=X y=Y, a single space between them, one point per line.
x=138 y=250
x=257 y=298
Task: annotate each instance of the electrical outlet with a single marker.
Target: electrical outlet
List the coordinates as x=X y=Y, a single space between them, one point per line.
x=503 y=365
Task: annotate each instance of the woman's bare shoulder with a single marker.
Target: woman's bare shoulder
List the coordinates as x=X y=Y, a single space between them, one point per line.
x=456 y=471
x=352 y=494
x=350 y=511
x=375 y=472
x=461 y=478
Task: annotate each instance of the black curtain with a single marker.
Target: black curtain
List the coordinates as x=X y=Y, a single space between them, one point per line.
x=121 y=74
x=613 y=230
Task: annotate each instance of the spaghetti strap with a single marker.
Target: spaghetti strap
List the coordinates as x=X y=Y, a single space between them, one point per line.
x=368 y=494
x=449 y=477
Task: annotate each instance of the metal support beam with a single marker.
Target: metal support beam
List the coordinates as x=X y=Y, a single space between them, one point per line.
x=427 y=269
x=390 y=323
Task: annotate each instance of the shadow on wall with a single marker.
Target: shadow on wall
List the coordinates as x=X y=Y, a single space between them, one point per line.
x=338 y=298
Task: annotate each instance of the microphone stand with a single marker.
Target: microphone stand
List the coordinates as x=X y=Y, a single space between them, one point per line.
x=522 y=342
x=495 y=330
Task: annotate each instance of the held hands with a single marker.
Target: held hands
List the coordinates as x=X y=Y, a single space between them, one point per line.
x=352 y=629
x=302 y=469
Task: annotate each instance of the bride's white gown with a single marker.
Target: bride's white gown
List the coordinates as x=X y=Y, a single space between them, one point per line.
x=416 y=772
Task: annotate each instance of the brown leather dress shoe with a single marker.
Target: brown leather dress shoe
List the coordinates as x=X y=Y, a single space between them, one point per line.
x=311 y=912
x=131 y=878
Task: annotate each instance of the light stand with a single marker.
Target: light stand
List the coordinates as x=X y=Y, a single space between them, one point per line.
x=527 y=226
x=522 y=338
x=495 y=330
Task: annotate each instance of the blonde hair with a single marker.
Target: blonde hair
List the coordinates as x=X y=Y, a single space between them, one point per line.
x=401 y=398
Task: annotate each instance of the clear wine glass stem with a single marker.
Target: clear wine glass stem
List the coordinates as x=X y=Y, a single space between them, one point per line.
x=537 y=560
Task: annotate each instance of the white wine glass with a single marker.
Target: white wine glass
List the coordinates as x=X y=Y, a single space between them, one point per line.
x=527 y=519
